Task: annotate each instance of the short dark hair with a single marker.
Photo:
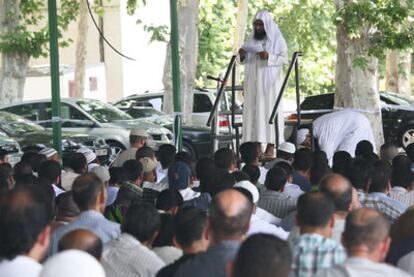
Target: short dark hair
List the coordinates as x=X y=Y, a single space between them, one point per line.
x=133 y=169
x=166 y=154
x=225 y=225
x=189 y=224
x=303 y=159
x=221 y=180
x=75 y=240
x=248 y=152
x=358 y=173
x=184 y=157
x=166 y=232
x=75 y=161
x=20 y=169
x=66 y=206
x=365 y=226
x=240 y=176
x=314 y=209
x=169 y=199
x=341 y=160
x=401 y=163
x=253 y=171
x=23 y=216
x=141 y=221
x=263 y=255
x=284 y=155
x=145 y=152
x=118 y=175
x=286 y=167
x=364 y=148
x=224 y=158
x=410 y=151
x=50 y=170
x=205 y=168
x=36 y=160
x=86 y=189
x=381 y=177
x=318 y=171
x=276 y=178
x=342 y=198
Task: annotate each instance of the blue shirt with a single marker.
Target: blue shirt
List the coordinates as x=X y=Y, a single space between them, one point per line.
x=395 y=203
x=89 y=220
x=301 y=181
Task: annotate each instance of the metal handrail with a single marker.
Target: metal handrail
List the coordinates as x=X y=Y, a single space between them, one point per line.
x=221 y=90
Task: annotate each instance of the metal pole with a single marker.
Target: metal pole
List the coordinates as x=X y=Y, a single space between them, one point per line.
x=54 y=74
x=298 y=112
x=175 y=61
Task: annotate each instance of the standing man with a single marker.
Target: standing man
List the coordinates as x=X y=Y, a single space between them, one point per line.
x=137 y=139
x=264 y=54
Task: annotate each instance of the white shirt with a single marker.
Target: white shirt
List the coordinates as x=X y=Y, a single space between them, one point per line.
x=361 y=267
x=57 y=190
x=168 y=254
x=266 y=216
x=293 y=190
x=263 y=172
x=404 y=196
x=406 y=263
x=258 y=225
x=20 y=266
x=161 y=173
x=66 y=179
x=189 y=194
x=155 y=186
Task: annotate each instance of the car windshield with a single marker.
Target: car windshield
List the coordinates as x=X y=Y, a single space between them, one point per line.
x=103 y=113
x=15 y=125
x=398 y=99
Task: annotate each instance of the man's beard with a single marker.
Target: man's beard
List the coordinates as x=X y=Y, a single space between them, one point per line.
x=259 y=35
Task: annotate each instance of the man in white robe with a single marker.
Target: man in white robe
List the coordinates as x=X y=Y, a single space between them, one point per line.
x=341 y=131
x=263 y=54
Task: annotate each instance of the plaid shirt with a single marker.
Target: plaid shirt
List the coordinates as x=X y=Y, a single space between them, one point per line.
x=369 y=201
x=312 y=252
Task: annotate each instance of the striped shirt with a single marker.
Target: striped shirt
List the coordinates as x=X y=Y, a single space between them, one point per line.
x=276 y=203
x=312 y=252
x=369 y=201
x=127 y=257
x=404 y=196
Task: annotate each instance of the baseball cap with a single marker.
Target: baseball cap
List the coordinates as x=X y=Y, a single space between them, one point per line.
x=138 y=132
x=247 y=185
x=287 y=147
x=179 y=174
x=148 y=164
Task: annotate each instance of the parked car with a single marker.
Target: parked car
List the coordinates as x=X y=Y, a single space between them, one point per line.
x=397 y=114
x=12 y=148
x=88 y=116
x=202 y=105
x=197 y=140
x=32 y=136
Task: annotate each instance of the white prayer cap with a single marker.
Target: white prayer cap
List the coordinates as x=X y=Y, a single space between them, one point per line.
x=102 y=172
x=72 y=263
x=247 y=185
x=139 y=132
x=287 y=147
x=88 y=153
x=301 y=135
x=48 y=152
x=148 y=164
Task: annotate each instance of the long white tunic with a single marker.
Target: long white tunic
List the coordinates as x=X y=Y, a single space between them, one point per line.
x=341 y=131
x=262 y=82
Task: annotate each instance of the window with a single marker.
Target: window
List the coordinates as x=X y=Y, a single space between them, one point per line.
x=202 y=103
x=67 y=112
x=28 y=111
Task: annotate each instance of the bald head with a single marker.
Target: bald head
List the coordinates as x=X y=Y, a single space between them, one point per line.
x=365 y=227
x=339 y=189
x=82 y=240
x=230 y=214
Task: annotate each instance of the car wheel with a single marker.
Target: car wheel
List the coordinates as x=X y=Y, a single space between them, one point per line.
x=407 y=136
x=116 y=148
x=189 y=148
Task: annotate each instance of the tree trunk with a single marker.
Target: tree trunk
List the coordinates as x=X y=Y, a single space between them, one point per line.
x=188 y=32
x=13 y=65
x=81 y=42
x=398 y=72
x=240 y=30
x=357 y=87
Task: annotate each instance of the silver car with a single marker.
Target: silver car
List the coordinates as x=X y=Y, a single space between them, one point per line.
x=92 y=117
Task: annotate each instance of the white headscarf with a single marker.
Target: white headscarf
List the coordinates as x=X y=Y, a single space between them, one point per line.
x=275 y=43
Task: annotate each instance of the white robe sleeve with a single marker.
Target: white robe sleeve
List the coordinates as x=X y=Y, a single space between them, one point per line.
x=277 y=60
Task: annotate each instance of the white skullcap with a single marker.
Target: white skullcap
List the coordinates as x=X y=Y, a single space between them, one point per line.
x=102 y=172
x=48 y=152
x=148 y=164
x=139 y=132
x=88 y=153
x=247 y=185
x=71 y=263
x=301 y=135
x=287 y=147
